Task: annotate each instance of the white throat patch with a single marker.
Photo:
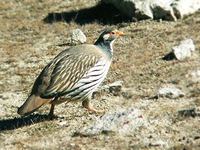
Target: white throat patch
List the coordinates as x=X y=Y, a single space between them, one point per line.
x=106 y=36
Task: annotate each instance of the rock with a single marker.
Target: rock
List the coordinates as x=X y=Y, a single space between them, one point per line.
x=170 y=92
x=115 y=88
x=144 y=9
x=122 y=121
x=194 y=76
x=185 y=7
x=162 y=10
x=77 y=37
x=132 y=8
x=184 y=49
x=190 y=112
x=155 y=9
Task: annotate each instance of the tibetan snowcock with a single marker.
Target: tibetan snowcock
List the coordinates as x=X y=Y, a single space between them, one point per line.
x=73 y=75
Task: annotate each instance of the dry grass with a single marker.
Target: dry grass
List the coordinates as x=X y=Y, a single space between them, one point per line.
x=27 y=44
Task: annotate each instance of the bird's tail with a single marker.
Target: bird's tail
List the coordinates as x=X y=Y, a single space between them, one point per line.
x=31 y=104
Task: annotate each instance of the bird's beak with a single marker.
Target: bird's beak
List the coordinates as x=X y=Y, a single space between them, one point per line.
x=119 y=33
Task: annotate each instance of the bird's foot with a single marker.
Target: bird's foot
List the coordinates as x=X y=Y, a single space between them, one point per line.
x=97 y=111
x=90 y=108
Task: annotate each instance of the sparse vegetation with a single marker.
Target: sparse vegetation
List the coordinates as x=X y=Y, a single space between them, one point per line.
x=28 y=43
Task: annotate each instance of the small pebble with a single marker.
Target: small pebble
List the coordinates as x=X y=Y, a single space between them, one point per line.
x=77 y=37
x=170 y=92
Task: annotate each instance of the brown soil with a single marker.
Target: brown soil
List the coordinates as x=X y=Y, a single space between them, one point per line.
x=30 y=38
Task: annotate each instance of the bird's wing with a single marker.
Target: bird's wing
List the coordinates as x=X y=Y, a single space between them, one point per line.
x=67 y=71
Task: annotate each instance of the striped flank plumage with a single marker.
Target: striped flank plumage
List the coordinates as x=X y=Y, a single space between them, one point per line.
x=90 y=81
x=72 y=75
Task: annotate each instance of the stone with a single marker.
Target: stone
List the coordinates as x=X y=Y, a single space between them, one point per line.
x=122 y=121
x=115 y=88
x=77 y=37
x=189 y=112
x=170 y=92
x=132 y=8
x=194 y=76
x=155 y=9
x=185 y=7
x=184 y=49
x=162 y=10
x=144 y=9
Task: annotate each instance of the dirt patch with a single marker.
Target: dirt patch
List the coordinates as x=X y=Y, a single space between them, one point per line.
x=27 y=44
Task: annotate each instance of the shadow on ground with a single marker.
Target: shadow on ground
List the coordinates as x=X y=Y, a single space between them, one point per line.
x=101 y=13
x=169 y=56
x=14 y=123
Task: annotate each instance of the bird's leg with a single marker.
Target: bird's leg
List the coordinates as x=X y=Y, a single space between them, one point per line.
x=51 y=112
x=86 y=104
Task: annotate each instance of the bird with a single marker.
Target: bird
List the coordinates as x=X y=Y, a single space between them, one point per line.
x=73 y=75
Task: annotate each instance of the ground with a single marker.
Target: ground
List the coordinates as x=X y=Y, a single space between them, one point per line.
x=32 y=32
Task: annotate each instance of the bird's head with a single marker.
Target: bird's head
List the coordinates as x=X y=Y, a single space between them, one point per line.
x=108 y=36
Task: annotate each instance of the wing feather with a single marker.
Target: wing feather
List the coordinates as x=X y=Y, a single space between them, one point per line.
x=67 y=72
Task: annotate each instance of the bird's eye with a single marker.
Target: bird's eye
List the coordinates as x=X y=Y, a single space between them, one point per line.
x=112 y=33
